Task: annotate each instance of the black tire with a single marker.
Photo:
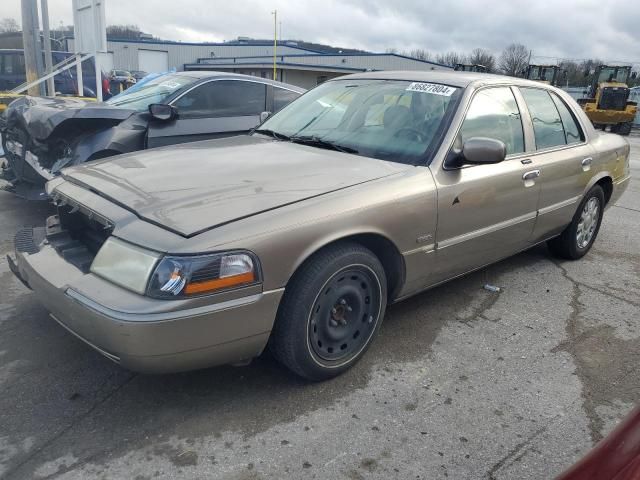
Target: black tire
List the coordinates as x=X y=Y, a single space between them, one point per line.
x=624 y=128
x=332 y=309
x=567 y=245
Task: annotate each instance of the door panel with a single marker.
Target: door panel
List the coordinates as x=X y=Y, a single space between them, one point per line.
x=194 y=129
x=562 y=157
x=485 y=213
x=562 y=184
x=214 y=109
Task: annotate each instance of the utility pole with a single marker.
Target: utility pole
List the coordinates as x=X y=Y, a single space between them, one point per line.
x=275 y=42
x=46 y=40
x=31 y=42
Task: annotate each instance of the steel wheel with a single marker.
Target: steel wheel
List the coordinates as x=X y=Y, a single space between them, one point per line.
x=344 y=315
x=588 y=222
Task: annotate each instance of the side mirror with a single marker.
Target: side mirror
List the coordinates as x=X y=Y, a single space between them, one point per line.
x=163 y=112
x=264 y=116
x=480 y=150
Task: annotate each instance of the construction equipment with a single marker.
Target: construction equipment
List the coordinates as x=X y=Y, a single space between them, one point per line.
x=467 y=67
x=548 y=74
x=607 y=102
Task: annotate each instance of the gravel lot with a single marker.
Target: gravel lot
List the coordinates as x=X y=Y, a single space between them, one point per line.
x=462 y=383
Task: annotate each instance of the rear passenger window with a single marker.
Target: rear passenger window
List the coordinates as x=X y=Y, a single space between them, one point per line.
x=282 y=98
x=547 y=125
x=494 y=114
x=572 y=131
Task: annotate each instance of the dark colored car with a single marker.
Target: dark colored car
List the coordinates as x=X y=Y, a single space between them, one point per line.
x=138 y=74
x=13 y=74
x=43 y=135
x=616 y=457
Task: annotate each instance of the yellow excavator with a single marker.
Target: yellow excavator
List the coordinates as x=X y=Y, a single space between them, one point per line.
x=466 y=67
x=543 y=73
x=607 y=102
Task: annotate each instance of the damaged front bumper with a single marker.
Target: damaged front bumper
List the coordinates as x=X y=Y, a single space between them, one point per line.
x=141 y=333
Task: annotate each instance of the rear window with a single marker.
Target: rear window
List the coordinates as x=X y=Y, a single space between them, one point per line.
x=547 y=124
x=282 y=97
x=572 y=131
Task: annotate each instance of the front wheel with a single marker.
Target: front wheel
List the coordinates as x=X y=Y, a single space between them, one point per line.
x=576 y=240
x=331 y=311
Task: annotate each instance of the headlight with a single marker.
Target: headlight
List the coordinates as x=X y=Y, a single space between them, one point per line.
x=178 y=276
x=125 y=264
x=171 y=277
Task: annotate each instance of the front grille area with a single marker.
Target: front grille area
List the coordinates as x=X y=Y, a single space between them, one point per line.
x=613 y=98
x=77 y=233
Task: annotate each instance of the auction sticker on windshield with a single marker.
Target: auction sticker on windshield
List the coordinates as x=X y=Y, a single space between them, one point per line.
x=433 y=88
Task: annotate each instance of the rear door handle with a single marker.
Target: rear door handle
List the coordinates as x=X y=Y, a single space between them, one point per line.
x=587 y=161
x=531 y=175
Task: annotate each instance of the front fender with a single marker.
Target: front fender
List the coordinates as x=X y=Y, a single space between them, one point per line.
x=117 y=139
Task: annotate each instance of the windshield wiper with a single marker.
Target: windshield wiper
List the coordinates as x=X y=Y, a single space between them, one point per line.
x=272 y=133
x=314 y=141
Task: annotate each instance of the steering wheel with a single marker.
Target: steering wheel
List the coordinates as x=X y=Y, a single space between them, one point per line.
x=410 y=134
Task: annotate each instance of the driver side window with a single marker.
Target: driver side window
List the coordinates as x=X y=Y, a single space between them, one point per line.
x=494 y=114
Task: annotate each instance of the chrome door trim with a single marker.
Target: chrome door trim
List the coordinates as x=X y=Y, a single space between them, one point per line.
x=486 y=230
x=559 y=205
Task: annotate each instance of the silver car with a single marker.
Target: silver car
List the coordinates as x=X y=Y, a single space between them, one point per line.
x=364 y=191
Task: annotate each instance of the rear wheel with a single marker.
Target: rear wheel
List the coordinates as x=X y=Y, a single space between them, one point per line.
x=576 y=240
x=331 y=311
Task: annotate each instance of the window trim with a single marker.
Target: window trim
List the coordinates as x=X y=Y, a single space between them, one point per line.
x=193 y=87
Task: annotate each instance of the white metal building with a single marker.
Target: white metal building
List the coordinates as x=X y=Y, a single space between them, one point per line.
x=296 y=65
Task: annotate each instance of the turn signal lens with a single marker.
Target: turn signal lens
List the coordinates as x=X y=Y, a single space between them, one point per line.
x=179 y=277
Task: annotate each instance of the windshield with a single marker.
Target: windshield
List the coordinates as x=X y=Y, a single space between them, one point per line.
x=153 y=91
x=385 y=119
x=612 y=74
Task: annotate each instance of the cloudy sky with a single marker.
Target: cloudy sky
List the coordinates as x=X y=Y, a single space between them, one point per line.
x=607 y=29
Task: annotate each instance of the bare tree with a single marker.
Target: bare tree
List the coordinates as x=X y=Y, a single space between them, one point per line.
x=420 y=54
x=391 y=50
x=128 y=32
x=451 y=58
x=8 y=25
x=514 y=59
x=480 y=56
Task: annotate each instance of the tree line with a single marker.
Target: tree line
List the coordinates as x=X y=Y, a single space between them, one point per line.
x=513 y=61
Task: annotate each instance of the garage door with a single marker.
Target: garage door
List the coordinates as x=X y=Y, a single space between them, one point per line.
x=153 y=61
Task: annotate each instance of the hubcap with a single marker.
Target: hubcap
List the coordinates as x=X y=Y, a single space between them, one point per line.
x=345 y=314
x=588 y=222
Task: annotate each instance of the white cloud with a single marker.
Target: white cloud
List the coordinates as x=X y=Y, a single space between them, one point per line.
x=571 y=28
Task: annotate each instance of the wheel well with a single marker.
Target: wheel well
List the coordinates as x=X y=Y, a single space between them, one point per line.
x=606 y=184
x=388 y=254
x=102 y=154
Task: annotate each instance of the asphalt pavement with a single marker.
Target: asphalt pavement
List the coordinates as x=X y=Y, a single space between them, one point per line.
x=462 y=383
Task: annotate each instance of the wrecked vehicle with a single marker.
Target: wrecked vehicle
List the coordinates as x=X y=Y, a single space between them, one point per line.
x=368 y=189
x=43 y=135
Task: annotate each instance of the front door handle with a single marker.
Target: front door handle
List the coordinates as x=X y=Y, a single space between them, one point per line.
x=586 y=164
x=531 y=175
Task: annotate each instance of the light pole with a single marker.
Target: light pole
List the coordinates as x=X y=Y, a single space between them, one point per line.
x=275 y=41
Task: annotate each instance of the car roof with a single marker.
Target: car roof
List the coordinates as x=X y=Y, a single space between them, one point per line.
x=447 y=77
x=207 y=74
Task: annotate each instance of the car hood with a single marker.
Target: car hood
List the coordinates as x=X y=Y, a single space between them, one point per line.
x=194 y=187
x=40 y=116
